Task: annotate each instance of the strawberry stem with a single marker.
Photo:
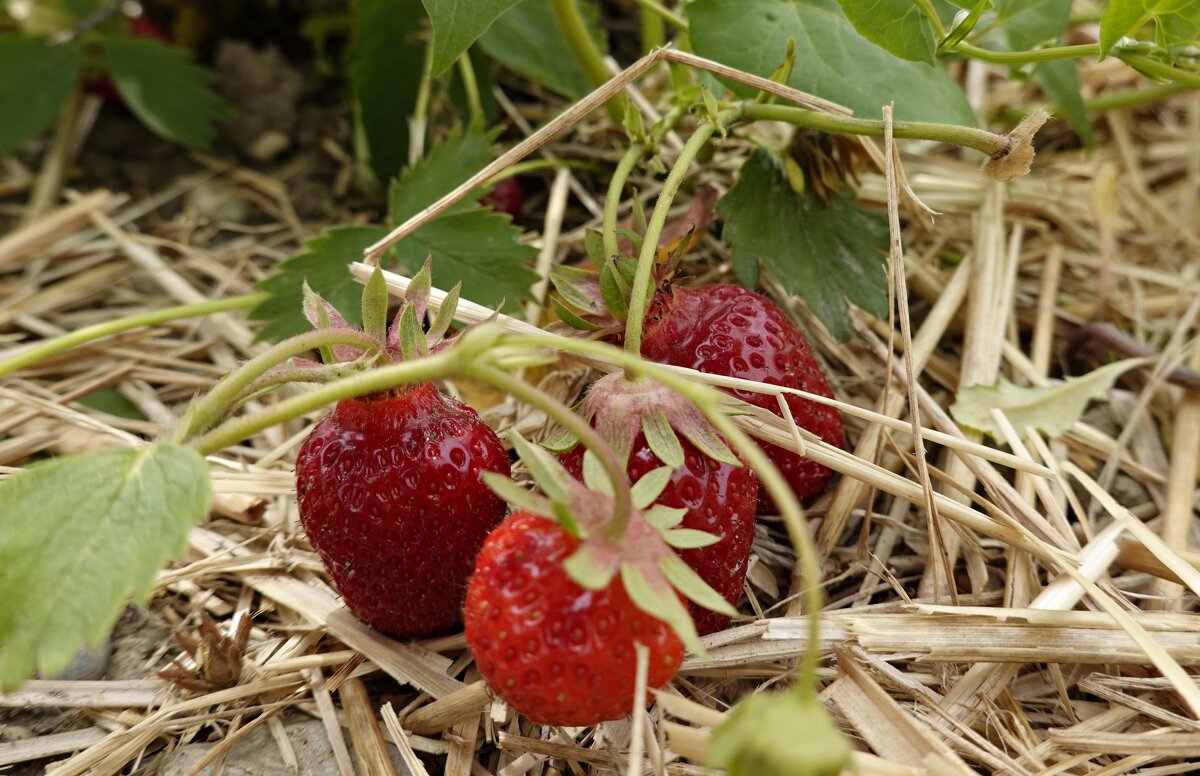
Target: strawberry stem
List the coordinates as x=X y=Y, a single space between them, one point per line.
x=224 y=395
x=612 y=199
x=574 y=29
x=379 y=379
x=644 y=278
x=51 y=347
x=565 y=417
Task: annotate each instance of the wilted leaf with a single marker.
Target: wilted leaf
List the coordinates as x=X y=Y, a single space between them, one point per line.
x=1051 y=409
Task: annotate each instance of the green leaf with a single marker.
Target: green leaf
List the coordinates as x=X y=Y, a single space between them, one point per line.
x=587 y=570
x=457 y=24
x=1051 y=409
x=323 y=265
x=650 y=486
x=526 y=40
x=79 y=536
x=1177 y=22
x=35 y=81
x=168 y=92
x=478 y=248
x=384 y=62
x=832 y=60
x=469 y=244
x=113 y=402
x=1059 y=79
x=897 y=26
x=824 y=253
x=444 y=167
x=662 y=602
x=688 y=582
x=1026 y=24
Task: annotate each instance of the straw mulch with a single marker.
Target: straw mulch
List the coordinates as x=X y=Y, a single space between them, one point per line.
x=1039 y=620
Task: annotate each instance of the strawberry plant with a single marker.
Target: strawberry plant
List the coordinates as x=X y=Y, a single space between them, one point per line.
x=637 y=531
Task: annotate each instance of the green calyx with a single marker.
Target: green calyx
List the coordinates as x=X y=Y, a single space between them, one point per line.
x=784 y=733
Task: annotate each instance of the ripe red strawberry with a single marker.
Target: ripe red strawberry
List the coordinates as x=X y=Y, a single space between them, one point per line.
x=391 y=498
x=557 y=653
x=390 y=484
x=720 y=499
x=729 y=330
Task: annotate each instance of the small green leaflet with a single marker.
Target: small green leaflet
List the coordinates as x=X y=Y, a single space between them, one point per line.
x=1176 y=22
x=79 y=536
x=1051 y=409
x=168 y=92
x=832 y=60
x=826 y=254
x=659 y=600
x=35 y=81
x=526 y=40
x=897 y=26
x=457 y=24
x=113 y=402
x=384 y=63
x=323 y=264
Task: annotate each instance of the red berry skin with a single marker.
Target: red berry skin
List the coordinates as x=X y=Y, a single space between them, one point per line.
x=507 y=197
x=555 y=652
x=720 y=499
x=391 y=497
x=729 y=330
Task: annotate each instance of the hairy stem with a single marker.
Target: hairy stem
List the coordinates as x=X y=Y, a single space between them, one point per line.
x=653 y=34
x=612 y=199
x=221 y=399
x=382 y=378
x=644 y=278
x=574 y=30
x=969 y=137
x=562 y=414
x=56 y=345
x=935 y=21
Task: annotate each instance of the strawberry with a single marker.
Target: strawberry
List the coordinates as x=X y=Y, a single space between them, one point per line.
x=729 y=330
x=717 y=493
x=556 y=652
x=390 y=490
x=507 y=197
x=564 y=590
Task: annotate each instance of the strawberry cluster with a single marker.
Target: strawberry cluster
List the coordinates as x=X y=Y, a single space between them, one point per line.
x=647 y=545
